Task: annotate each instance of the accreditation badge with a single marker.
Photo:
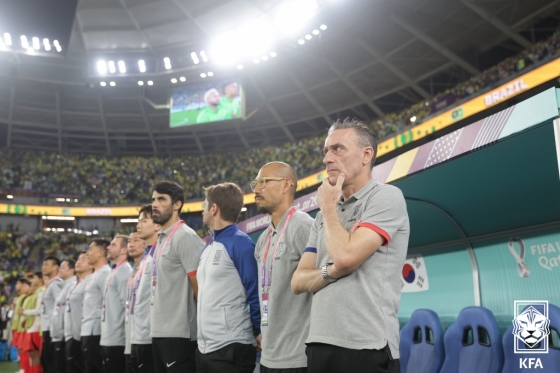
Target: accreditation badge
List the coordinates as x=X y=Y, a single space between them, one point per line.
x=264 y=310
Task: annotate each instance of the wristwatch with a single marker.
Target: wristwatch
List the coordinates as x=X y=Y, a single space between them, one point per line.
x=325 y=275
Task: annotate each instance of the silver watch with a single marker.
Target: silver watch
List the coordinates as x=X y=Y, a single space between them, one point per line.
x=325 y=275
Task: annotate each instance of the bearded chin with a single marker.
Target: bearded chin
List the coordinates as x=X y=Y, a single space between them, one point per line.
x=163 y=218
x=264 y=209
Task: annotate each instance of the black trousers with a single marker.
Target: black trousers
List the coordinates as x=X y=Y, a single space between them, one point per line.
x=127 y=363
x=92 y=354
x=324 y=358
x=174 y=355
x=233 y=358
x=47 y=354
x=59 y=357
x=142 y=358
x=113 y=359
x=287 y=370
x=74 y=356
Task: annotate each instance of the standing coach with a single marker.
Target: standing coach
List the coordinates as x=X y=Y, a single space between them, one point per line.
x=353 y=260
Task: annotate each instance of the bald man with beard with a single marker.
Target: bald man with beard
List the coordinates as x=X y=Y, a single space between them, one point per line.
x=284 y=315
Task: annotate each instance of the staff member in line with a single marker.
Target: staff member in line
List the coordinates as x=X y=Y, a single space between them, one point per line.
x=284 y=315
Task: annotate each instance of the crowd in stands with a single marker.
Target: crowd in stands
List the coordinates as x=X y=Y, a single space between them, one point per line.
x=125 y=180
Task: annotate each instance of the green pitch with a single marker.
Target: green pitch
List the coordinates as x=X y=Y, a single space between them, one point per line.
x=184 y=118
x=6 y=367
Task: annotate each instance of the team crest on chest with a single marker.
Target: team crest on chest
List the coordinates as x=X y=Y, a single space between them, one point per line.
x=355 y=213
x=217 y=255
x=281 y=249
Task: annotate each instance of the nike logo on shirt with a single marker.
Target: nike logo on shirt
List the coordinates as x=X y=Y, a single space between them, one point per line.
x=168 y=365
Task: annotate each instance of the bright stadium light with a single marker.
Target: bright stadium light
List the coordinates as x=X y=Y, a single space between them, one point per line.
x=194 y=58
x=112 y=84
x=46 y=44
x=131 y=220
x=308 y=37
x=315 y=32
x=256 y=60
x=122 y=67
x=150 y=82
x=301 y=41
x=36 y=43
x=264 y=58
x=203 y=75
x=102 y=67
x=292 y=15
x=204 y=56
x=167 y=63
x=24 y=42
x=413 y=119
x=9 y=196
x=251 y=39
x=273 y=54
x=57 y=46
x=210 y=73
x=142 y=66
x=182 y=79
x=103 y=84
x=173 y=80
x=112 y=67
x=323 y=27
x=140 y=82
x=7 y=39
x=239 y=67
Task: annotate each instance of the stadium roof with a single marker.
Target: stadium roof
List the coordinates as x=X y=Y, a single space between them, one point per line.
x=375 y=57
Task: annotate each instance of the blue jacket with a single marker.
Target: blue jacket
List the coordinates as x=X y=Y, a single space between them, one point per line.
x=228 y=308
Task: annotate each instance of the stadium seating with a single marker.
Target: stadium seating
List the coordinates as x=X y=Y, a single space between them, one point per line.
x=473 y=343
x=421 y=345
x=550 y=361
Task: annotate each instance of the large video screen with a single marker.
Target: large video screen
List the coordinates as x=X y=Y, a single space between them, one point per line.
x=205 y=103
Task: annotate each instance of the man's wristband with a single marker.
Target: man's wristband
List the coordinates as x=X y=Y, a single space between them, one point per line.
x=325 y=274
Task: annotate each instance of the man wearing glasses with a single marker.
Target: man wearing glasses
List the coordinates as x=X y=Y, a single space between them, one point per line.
x=284 y=315
x=353 y=260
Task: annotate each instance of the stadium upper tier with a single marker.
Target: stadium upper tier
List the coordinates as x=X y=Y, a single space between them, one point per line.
x=100 y=180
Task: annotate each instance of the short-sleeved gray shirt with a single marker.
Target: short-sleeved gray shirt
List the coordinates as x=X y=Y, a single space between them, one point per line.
x=93 y=299
x=359 y=311
x=127 y=320
x=173 y=314
x=140 y=312
x=283 y=339
x=74 y=309
x=113 y=307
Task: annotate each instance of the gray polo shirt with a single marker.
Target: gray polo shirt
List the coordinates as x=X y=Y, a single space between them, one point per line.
x=48 y=302
x=74 y=307
x=113 y=306
x=129 y=285
x=359 y=311
x=283 y=339
x=57 y=323
x=173 y=314
x=140 y=311
x=93 y=299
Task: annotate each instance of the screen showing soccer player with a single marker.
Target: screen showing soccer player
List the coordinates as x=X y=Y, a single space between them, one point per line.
x=204 y=103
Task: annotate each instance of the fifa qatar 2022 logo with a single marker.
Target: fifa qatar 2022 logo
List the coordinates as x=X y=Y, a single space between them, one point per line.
x=531 y=328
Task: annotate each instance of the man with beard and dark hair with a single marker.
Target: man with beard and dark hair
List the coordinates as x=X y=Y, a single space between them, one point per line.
x=93 y=300
x=285 y=316
x=49 y=269
x=174 y=285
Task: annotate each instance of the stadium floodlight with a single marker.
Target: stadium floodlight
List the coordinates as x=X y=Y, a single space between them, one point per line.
x=24 y=42
x=308 y=37
x=243 y=209
x=36 y=43
x=150 y=82
x=122 y=67
x=240 y=67
x=46 y=44
x=264 y=58
x=58 y=218
x=182 y=79
x=292 y=15
x=140 y=82
x=9 y=196
x=203 y=75
x=57 y=46
x=75 y=200
x=112 y=84
x=251 y=39
x=195 y=59
x=323 y=27
x=273 y=54
x=167 y=63
x=30 y=50
x=112 y=67
x=210 y=73
x=7 y=39
x=256 y=60
x=413 y=119
x=173 y=80
x=142 y=66
x=103 y=84
x=315 y=32
x=204 y=56
x=102 y=67
x=129 y=220
x=301 y=41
